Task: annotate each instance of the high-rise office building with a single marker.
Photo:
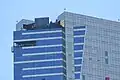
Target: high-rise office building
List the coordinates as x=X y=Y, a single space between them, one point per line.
x=75 y=47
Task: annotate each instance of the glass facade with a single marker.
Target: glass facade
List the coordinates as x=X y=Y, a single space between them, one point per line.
x=78 y=49
x=38 y=54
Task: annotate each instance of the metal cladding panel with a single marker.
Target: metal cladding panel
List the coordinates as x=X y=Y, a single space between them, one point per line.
x=101 y=35
x=41 y=21
x=19 y=25
x=71 y=30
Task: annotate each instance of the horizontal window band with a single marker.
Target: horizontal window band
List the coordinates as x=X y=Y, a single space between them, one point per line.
x=49 y=42
x=44 y=71
x=48 y=38
x=79 y=27
x=48 y=67
x=30 y=53
x=44 y=53
x=38 y=75
x=42 y=46
x=32 y=61
x=40 y=57
x=41 y=32
x=42 y=64
x=37 y=50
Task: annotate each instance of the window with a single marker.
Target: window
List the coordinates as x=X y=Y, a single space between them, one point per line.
x=106 y=53
x=26 y=43
x=82 y=32
x=64 y=57
x=83 y=77
x=106 y=61
x=63 y=49
x=107 y=78
x=90 y=58
x=63 y=42
x=77 y=68
x=43 y=79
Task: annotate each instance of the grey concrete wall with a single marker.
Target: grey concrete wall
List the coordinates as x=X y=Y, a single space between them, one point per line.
x=101 y=35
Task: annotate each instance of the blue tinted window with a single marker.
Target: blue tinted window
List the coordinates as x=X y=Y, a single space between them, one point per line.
x=17 y=51
x=40 y=57
x=18 y=34
x=49 y=42
x=78 y=61
x=45 y=35
x=78 y=54
x=63 y=35
x=64 y=71
x=77 y=68
x=78 y=47
x=79 y=27
x=47 y=49
x=63 y=42
x=53 y=77
x=46 y=29
x=82 y=32
x=79 y=40
x=77 y=76
x=64 y=78
x=19 y=54
x=17 y=77
x=41 y=64
x=43 y=71
x=63 y=49
x=64 y=64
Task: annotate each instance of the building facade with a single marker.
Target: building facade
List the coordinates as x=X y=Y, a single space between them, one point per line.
x=38 y=53
x=75 y=47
